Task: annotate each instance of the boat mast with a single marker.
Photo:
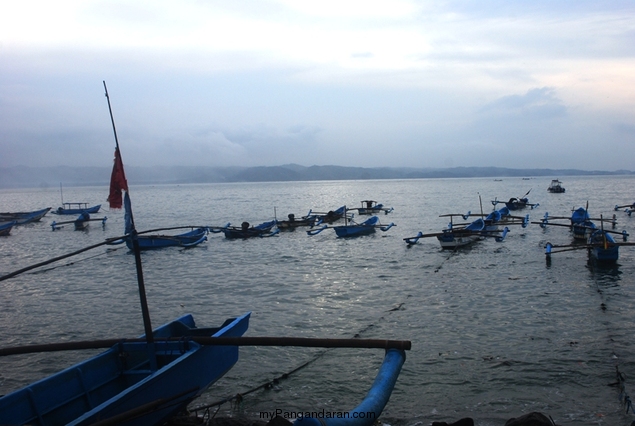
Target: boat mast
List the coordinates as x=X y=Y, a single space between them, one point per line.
x=137 y=255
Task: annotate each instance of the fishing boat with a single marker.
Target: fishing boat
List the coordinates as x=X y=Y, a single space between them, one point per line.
x=461 y=235
x=556 y=187
x=148 y=242
x=245 y=230
x=603 y=247
x=353 y=229
x=132 y=383
x=517 y=203
x=331 y=216
x=6 y=227
x=453 y=238
x=22 y=218
x=77 y=208
x=580 y=222
x=80 y=224
x=372 y=207
x=292 y=222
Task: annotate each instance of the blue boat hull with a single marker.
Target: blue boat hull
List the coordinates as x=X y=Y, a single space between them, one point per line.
x=188 y=239
x=90 y=210
x=603 y=247
x=22 y=218
x=365 y=228
x=245 y=232
x=119 y=380
x=5 y=228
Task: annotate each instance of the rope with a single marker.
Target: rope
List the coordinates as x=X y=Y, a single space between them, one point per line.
x=623 y=396
x=72 y=263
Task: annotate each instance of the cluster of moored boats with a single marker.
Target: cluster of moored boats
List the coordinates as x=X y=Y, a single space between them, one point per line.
x=599 y=241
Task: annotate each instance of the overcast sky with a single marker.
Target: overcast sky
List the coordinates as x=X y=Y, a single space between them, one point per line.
x=521 y=84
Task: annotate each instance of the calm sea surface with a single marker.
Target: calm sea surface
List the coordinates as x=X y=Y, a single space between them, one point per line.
x=496 y=332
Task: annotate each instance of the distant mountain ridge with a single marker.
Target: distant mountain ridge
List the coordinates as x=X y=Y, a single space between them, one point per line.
x=34 y=177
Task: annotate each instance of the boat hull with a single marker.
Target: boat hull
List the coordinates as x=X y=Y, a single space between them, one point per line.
x=90 y=210
x=6 y=227
x=365 y=228
x=22 y=218
x=188 y=239
x=119 y=380
x=245 y=232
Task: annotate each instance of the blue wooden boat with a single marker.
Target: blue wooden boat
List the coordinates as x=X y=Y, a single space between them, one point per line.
x=516 y=203
x=6 y=227
x=22 y=218
x=330 y=216
x=117 y=384
x=149 y=242
x=292 y=222
x=368 y=411
x=355 y=229
x=580 y=223
x=602 y=246
x=77 y=208
x=456 y=236
x=265 y=229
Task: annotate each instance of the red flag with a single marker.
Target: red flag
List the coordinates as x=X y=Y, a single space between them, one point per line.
x=118 y=182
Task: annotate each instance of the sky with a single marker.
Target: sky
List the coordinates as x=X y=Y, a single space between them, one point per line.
x=364 y=83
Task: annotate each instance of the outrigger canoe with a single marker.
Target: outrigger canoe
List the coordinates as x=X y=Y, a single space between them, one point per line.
x=77 y=208
x=265 y=229
x=80 y=224
x=132 y=383
x=22 y=218
x=148 y=242
x=372 y=207
x=516 y=203
x=292 y=222
x=461 y=235
x=355 y=229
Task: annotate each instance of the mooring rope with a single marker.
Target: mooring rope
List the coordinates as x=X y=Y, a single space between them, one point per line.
x=623 y=396
x=40 y=271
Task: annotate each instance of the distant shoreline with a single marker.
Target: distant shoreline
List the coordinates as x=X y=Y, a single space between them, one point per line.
x=45 y=177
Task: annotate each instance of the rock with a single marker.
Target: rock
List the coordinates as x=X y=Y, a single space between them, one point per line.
x=531 y=419
x=463 y=422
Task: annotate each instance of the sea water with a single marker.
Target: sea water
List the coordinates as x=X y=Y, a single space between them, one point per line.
x=496 y=330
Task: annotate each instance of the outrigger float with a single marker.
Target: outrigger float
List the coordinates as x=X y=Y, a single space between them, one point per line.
x=628 y=208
